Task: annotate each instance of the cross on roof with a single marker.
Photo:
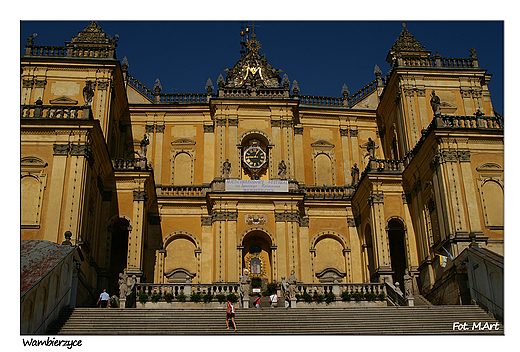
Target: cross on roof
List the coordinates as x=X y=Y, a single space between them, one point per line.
x=252 y=26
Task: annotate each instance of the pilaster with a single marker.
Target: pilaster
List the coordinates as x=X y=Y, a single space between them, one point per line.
x=380 y=243
x=346 y=157
x=136 y=235
x=57 y=186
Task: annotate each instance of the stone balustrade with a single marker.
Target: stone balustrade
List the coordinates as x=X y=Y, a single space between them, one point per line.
x=362 y=93
x=435 y=61
x=181 y=191
x=40 y=111
x=188 y=288
x=322 y=101
x=69 y=51
x=339 y=288
x=312 y=192
x=122 y=164
x=141 y=88
x=182 y=98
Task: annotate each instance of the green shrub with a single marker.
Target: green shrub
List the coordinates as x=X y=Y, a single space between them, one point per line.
x=143 y=297
x=272 y=288
x=330 y=297
x=381 y=296
x=232 y=298
x=181 y=297
x=169 y=297
x=221 y=298
x=208 y=297
x=256 y=282
x=196 y=297
x=345 y=296
x=318 y=298
x=306 y=297
x=156 y=297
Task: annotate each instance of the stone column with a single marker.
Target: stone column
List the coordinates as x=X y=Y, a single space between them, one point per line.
x=220 y=149
x=380 y=243
x=305 y=265
x=231 y=237
x=102 y=105
x=276 y=152
x=159 y=278
x=288 y=147
x=57 y=185
x=472 y=201
x=207 y=257
x=411 y=114
x=299 y=164
x=209 y=154
x=356 y=254
x=347 y=177
x=27 y=87
x=77 y=187
x=39 y=87
x=455 y=190
x=353 y=132
x=281 y=235
x=136 y=235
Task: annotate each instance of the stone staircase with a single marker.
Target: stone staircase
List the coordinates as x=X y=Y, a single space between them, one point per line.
x=267 y=321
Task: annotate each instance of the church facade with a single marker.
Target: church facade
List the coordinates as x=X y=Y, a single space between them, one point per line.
x=251 y=175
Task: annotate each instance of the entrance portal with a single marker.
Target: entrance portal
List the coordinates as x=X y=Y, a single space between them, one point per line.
x=118 y=253
x=397 y=250
x=256 y=256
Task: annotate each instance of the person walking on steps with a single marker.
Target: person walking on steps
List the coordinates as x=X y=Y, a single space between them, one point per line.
x=103 y=298
x=230 y=314
x=273 y=300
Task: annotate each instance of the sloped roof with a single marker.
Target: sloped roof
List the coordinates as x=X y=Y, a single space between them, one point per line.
x=37 y=258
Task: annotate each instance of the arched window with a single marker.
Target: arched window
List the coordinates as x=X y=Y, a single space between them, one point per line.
x=323 y=170
x=182 y=170
x=493 y=199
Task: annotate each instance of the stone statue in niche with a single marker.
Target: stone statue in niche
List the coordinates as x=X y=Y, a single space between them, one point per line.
x=355 y=174
x=226 y=169
x=371 y=147
x=282 y=170
x=88 y=93
x=435 y=102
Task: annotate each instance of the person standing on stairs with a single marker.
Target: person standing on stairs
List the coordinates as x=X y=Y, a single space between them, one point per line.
x=230 y=314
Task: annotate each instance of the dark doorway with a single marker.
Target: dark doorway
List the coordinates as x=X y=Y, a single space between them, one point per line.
x=118 y=253
x=397 y=250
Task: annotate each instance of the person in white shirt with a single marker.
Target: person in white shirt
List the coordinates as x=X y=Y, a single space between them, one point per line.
x=103 y=298
x=273 y=299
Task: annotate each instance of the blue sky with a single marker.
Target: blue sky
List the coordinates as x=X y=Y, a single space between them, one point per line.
x=320 y=55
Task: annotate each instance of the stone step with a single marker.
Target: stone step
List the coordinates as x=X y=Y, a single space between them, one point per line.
x=308 y=321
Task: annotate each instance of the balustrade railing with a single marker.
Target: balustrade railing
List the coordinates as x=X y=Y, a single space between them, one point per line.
x=486 y=122
x=435 y=61
x=182 y=98
x=141 y=88
x=313 y=192
x=64 y=51
x=181 y=191
x=121 y=164
x=362 y=93
x=188 y=288
x=322 y=101
x=39 y=111
x=339 y=288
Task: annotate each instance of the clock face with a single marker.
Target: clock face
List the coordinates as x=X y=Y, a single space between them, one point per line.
x=254 y=157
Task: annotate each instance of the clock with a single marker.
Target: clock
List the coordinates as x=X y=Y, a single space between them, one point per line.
x=254 y=157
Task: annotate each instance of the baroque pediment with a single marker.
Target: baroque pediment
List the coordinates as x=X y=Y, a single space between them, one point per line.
x=322 y=144
x=183 y=142
x=490 y=167
x=63 y=100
